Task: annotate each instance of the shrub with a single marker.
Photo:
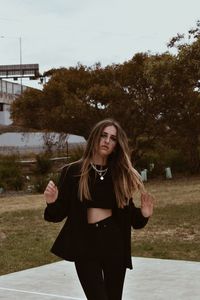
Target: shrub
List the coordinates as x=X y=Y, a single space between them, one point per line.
x=76 y=153
x=41 y=181
x=10 y=173
x=148 y=160
x=161 y=158
x=43 y=164
x=176 y=160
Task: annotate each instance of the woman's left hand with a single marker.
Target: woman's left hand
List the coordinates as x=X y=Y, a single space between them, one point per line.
x=147 y=205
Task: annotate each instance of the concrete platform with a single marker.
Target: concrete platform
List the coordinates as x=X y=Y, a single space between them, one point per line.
x=151 y=279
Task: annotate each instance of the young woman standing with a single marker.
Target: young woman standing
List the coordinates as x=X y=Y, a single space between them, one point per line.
x=96 y=195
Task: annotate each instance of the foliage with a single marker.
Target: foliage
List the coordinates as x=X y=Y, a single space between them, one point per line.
x=40 y=181
x=76 y=153
x=43 y=164
x=154 y=96
x=26 y=109
x=10 y=173
x=161 y=158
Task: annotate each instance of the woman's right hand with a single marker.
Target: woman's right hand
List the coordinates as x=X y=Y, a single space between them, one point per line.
x=51 y=192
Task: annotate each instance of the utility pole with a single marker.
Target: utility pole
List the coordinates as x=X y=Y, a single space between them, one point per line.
x=20 y=61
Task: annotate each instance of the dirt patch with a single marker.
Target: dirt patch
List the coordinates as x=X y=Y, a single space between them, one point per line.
x=21 y=202
x=179 y=234
x=180 y=191
x=176 y=191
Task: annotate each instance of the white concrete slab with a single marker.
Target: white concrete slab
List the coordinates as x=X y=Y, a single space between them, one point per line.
x=151 y=279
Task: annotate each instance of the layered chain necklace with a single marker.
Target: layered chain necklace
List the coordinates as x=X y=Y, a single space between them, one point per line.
x=101 y=172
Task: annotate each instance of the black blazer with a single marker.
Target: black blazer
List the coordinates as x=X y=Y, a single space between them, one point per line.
x=71 y=243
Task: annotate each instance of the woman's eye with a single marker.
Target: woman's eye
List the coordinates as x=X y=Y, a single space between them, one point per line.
x=113 y=139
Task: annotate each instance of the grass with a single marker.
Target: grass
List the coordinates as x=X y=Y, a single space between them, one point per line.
x=27 y=240
x=173 y=232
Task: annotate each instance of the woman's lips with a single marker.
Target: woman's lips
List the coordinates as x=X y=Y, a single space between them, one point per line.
x=104 y=147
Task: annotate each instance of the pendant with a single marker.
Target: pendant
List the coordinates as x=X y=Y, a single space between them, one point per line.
x=102 y=178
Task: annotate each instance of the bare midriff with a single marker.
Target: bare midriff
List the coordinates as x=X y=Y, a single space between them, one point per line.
x=97 y=214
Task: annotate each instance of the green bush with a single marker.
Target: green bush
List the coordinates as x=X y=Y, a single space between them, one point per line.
x=76 y=153
x=40 y=184
x=176 y=160
x=10 y=173
x=43 y=164
x=41 y=181
x=161 y=158
x=149 y=159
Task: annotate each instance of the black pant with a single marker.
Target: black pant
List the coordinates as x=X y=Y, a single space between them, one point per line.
x=102 y=276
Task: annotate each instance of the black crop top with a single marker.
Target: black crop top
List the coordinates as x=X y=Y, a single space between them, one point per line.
x=102 y=191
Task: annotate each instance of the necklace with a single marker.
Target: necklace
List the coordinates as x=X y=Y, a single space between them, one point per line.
x=101 y=172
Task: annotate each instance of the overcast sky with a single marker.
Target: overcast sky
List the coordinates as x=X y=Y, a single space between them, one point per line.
x=61 y=33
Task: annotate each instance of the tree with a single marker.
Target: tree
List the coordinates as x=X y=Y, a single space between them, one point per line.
x=25 y=110
x=155 y=98
x=186 y=121
x=63 y=106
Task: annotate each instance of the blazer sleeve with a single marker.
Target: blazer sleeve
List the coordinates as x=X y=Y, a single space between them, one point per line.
x=138 y=221
x=57 y=211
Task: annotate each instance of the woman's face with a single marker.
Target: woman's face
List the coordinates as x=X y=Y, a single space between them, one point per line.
x=108 y=141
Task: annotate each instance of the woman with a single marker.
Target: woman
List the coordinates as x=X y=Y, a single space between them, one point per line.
x=95 y=194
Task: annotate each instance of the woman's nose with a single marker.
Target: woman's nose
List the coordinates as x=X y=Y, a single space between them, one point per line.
x=107 y=140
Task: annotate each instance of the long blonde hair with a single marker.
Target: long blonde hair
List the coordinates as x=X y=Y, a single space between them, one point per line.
x=126 y=179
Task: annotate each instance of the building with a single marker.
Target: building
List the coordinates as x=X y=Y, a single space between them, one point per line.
x=8 y=92
x=24 y=142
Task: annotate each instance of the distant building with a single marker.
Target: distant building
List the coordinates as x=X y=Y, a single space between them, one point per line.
x=8 y=93
x=28 y=141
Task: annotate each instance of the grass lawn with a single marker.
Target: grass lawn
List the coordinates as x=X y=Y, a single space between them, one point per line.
x=173 y=232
